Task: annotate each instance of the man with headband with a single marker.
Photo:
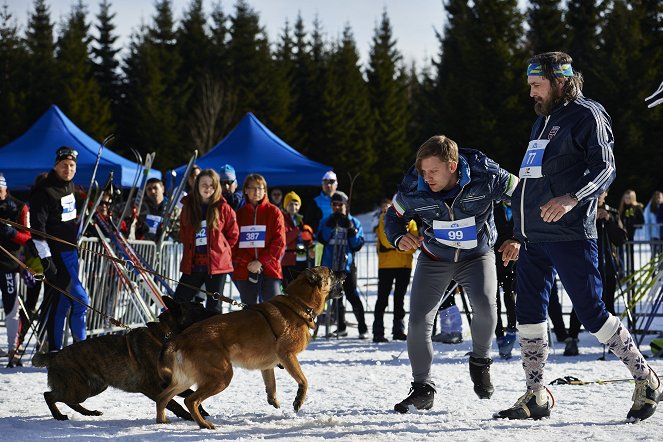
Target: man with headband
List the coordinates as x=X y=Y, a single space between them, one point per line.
x=568 y=163
x=53 y=210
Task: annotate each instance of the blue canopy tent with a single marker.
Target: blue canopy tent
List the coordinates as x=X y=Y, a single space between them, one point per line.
x=34 y=152
x=252 y=148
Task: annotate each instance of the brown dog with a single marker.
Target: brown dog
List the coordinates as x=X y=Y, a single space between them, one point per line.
x=256 y=338
x=128 y=362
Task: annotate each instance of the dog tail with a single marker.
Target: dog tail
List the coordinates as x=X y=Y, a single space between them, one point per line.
x=41 y=360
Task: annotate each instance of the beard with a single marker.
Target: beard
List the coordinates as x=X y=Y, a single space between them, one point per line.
x=543 y=107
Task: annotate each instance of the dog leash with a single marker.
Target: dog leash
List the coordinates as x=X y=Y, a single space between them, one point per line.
x=130 y=265
x=42 y=277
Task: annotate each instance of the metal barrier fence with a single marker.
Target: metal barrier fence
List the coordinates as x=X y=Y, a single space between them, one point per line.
x=132 y=303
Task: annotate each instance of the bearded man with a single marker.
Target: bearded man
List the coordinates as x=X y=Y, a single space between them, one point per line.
x=569 y=162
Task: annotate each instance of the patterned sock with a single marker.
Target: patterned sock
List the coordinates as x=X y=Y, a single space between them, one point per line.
x=622 y=345
x=534 y=357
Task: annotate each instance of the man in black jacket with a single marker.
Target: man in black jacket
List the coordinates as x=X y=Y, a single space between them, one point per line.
x=53 y=210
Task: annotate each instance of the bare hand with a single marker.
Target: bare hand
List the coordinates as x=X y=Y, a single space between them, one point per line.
x=255 y=266
x=603 y=214
x=409 y=242
x=510 y=249
x=556 y=208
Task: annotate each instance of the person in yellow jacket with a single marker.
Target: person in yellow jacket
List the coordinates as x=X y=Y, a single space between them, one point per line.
x=394 y=269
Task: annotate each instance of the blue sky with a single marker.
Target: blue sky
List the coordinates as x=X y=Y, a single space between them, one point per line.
x=414 y=21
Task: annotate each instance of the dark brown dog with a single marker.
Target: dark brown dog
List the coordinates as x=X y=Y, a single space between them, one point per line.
x=127 y=362
x=257 y=338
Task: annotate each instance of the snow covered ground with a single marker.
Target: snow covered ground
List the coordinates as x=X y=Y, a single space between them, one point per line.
x=353 y=387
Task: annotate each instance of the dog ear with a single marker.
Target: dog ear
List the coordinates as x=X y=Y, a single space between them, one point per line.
x=313 y=278
x=171 y=304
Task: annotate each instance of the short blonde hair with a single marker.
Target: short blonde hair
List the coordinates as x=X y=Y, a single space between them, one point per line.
x=439 y=146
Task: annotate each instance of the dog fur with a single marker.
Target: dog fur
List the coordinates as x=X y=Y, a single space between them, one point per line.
x=258 y=337
x=127 y=362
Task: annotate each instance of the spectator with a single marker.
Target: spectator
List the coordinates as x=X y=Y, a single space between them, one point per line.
x=208 y=232
x=191 y=179
x=394 y=270
x=152 y=210
x=342 y=235
x=276 y=197
x=257 y=255
x=321 y=205
x=506 y=280
x=652 y=229
x=53 y=211
x=632 y=216
x=229 y=187
x=11 y=240
x=298 y=239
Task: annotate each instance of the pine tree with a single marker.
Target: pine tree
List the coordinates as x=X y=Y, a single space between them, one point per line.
x=283 y=116
x=546 y=26
x=346 y=139
x=582 y=21
x=13 y=58
x=41 y=74
x=388 y=102
x=79 y=91
x=105 y=54
x=249 y=61
x=302 y=85
x=219 y=39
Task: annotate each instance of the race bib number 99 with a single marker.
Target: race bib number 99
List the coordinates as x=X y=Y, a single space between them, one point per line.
x=68 y=207
x=531 y=165
x=252 y=236
x=460 y=234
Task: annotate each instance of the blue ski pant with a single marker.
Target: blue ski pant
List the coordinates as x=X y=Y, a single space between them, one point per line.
x=576 y=263
x=67 y=265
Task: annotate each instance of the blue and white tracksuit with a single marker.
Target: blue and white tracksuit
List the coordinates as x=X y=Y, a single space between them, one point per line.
x=471 y=264
x=577 y=158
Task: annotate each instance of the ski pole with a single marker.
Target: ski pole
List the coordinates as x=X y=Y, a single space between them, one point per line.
x=94 y=174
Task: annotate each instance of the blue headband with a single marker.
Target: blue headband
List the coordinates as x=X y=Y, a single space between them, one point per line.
x=560 y=70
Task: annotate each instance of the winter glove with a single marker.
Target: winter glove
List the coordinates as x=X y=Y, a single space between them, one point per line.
x=345 y=222
x=7 y=231
x=352 y=232
x=50 y=271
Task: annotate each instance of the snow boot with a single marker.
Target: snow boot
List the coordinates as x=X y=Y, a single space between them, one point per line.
x=531 y=405
x=480 y=375
x=646 y=396
x=571 y=348
x=421 y=398
x=505 y=343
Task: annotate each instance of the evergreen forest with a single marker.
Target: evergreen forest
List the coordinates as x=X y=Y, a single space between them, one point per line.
x=183 y=84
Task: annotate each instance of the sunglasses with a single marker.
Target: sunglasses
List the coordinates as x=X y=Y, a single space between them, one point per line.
x=338 y=204
x=328 y=181
x=227 y=183
x=105 y=203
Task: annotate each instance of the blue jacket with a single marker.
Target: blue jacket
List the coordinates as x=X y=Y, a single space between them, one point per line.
x=577 y=159
x=325 y=232
x=482 y=183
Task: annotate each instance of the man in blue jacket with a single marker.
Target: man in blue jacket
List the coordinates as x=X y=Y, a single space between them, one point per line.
x=568 y=163
x=342 y=236
x=452 y=192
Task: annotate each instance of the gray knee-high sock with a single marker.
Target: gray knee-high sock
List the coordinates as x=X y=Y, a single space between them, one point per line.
x=622 y=345
x=534 y=356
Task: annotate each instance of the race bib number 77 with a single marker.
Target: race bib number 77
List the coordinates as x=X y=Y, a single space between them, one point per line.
x=531 y=164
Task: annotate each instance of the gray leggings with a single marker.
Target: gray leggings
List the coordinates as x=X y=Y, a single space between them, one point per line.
x=431 y=278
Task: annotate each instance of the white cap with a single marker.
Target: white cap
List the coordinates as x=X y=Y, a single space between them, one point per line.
x=3 y=181
x=329 y=175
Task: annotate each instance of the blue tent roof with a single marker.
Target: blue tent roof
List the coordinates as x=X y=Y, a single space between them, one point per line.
x=252 y=148
x=34 y=152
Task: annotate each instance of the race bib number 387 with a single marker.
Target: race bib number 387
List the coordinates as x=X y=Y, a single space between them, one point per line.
x=460 y=234
x=252 y=236
x=531 y=165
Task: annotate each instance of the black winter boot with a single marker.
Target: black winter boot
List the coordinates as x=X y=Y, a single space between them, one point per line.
x=480 y=375
x=421 y=397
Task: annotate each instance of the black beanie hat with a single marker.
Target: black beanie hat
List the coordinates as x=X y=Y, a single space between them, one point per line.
x=339 y=196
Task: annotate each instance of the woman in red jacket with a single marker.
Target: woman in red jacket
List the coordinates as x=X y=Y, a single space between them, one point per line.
x=208 y=231
x=257 y=255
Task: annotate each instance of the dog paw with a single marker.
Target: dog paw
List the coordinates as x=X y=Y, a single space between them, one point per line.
x=96 y=413
x=206 y=425
x=163 y=421
x=62 y=417
x=274 y=402
x=297 y=405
